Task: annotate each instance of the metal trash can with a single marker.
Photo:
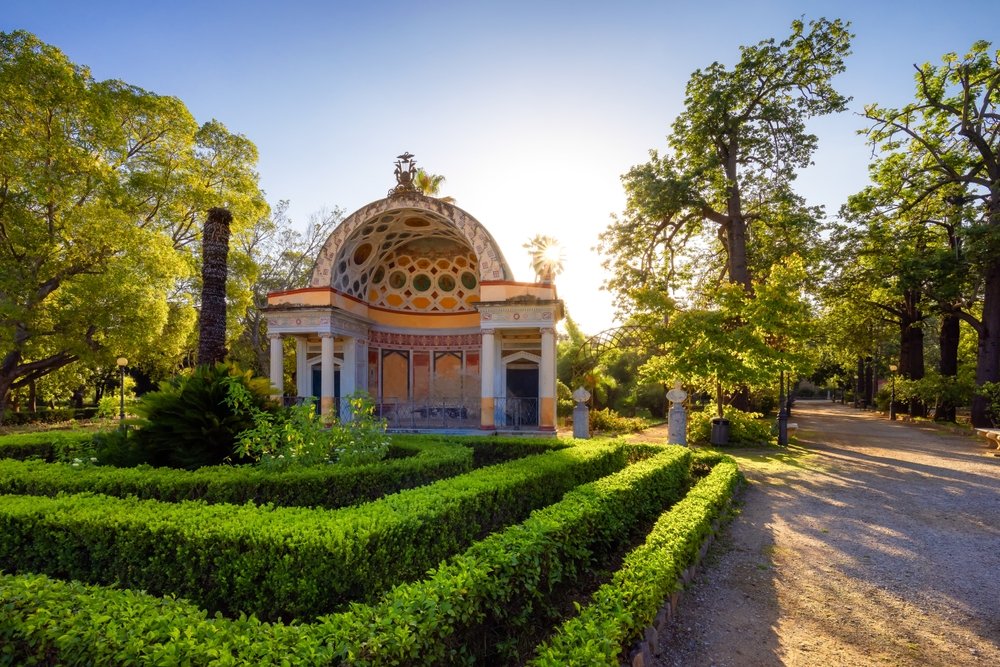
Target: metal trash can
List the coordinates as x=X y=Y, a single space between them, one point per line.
x=720 y=431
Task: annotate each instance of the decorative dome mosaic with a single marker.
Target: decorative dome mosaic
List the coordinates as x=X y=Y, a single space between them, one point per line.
x=410 y=227
x=408 y=260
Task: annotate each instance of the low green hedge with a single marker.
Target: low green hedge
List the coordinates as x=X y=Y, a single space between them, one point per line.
x=500 y=583
x=620 y=610
x=47 y=445
x=329 y=486
x=47 y=416
x=429 y=622
x=281 y=562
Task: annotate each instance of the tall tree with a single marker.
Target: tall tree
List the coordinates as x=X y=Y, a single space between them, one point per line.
x=952 y=130
x=97 y=184
x=214 y=269
x=734 y=152
x=281 y=258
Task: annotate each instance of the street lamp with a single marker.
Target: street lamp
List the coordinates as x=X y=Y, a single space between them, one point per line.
x=122 y=363
x=892 y=393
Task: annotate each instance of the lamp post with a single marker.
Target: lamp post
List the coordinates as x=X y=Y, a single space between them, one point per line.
x=122 y=363
x=892 y=393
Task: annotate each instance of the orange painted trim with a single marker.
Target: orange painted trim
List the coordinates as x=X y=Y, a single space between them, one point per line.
x=307 y=290
x=514 y=283
x=417 y=312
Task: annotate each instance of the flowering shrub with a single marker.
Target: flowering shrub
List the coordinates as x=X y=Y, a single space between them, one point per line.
x=609 y=421
x=299 y=436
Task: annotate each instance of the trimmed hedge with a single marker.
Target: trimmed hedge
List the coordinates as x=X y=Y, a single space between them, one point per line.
x=47 y=416
x=430 y=622
x=620 y=610
x=503 y=580
x=329 y=486
x=47 y=445
x=280 y=562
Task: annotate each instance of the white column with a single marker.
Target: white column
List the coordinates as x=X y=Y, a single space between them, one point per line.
x=348 y=371
x=277 y=365
x=326 y=375
x=303 y=374
x=487 y=361
x=361 y=375
x=547 y=380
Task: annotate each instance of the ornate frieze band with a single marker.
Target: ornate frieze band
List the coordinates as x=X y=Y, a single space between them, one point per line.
x=384 y=339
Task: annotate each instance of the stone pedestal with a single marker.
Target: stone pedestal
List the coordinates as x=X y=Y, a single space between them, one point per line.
x=581 y=414
x=677 y=417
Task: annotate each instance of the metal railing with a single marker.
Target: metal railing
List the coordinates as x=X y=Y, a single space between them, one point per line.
x=444 y=413
x=436 y=413
x=515 y=413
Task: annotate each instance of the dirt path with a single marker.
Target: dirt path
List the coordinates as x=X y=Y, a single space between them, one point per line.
x=872 y=543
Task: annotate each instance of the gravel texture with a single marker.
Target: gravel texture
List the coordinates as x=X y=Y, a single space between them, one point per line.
x=869 y=542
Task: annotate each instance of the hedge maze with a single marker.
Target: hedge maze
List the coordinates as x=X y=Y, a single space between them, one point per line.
x=452 y=551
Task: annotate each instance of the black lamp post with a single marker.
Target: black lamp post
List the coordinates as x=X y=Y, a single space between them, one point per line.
x=122 y=363
x=892 y=393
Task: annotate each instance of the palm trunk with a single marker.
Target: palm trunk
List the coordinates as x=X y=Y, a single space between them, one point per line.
x=215 y=255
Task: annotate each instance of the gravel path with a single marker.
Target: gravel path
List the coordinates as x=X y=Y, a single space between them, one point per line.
x=871 y=543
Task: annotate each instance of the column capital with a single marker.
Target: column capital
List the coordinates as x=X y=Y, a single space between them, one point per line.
x=274 y=336
x=547 y=330
x=327 y=334
x=488 y=332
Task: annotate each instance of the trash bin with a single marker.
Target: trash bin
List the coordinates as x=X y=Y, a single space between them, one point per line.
x=720 y=431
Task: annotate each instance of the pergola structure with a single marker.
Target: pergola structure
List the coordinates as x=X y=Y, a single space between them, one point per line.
x=412 y=301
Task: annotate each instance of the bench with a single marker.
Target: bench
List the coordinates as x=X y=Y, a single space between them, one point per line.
x=991 y=434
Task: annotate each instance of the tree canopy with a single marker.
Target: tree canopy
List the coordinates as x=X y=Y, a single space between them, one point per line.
x=101 y=185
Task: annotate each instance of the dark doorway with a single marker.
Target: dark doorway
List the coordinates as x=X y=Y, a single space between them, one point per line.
x=317 y=386
x=521 y=407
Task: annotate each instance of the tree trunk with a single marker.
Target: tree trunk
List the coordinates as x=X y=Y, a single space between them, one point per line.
x=859 y=386
x=948 y=365
x=911 y=346
x=868 y=380
x=214 y=269
x=988 y=357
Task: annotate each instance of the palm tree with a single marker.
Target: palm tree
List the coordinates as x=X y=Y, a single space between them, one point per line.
x=547 y=257
x=214 y=269
x=429 y=185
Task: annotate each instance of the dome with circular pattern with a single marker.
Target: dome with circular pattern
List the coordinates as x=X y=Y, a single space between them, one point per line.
x=411 y=253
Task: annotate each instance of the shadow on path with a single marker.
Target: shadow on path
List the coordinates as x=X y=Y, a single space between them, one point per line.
x=870 y=542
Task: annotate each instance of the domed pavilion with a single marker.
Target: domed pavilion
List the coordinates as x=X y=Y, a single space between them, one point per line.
x=412 y=301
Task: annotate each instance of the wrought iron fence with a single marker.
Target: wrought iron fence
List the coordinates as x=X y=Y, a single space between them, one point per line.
x=443 y=413
x=515 y=413
x=430 y=413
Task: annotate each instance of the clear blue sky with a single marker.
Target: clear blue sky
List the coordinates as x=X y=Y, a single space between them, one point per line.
x=532 y=110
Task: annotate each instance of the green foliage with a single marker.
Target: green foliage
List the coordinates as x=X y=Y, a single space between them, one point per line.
x=188 y=423
x=495 y=585
x=46 y=445
x=279 y=561
x=991 y=391
x=620 y=610
x=500 y=583
x=297 y=436
x=745 y=428
x=410 y=464
x=933 y=389
x=609 y=421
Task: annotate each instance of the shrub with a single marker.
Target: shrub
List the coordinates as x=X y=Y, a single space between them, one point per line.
x=319 y=486
x=620 y=610
x=609 y=421
x=188 y=422
x=745 y=428
x=285 y=562
x=991 y=391
x=48 y=445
